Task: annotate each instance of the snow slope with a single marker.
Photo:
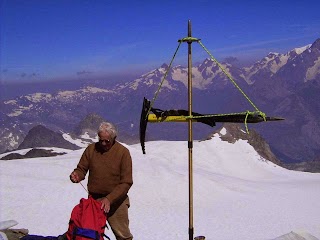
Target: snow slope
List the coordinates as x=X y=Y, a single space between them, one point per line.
x=237 y=194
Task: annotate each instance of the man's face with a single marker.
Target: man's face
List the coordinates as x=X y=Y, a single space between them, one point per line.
x=105 y=141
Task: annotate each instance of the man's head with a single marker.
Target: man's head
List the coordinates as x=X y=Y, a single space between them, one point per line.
x=107 y=134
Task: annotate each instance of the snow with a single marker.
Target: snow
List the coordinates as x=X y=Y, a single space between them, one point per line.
x=96 y=90
x=223 y=131
x=302 y=49
x=313 y=71
x=135 y=84
x=13 y=141
x=180 y=75
x=81 y=143
x=236 y=193
x=7 y=224
x=38 y=97
x=12 y=102
x=277 y=65
x=20 y=110
x=166 y=84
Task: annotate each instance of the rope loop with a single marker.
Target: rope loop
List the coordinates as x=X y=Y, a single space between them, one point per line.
x=263 y=115
x=245 y=121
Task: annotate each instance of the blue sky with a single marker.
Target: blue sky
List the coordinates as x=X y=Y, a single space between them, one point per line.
x=56 y=39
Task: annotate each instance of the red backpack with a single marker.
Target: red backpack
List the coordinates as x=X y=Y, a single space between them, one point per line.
x=87 y=221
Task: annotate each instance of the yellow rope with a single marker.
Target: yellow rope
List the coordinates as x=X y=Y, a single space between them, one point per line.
x=229 y=76
x=164 y=77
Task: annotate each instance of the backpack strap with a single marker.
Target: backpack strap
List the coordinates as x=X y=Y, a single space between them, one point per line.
x=84 y=232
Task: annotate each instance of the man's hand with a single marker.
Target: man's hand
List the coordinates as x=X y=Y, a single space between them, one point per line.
x=105 y=204
x=74 y=177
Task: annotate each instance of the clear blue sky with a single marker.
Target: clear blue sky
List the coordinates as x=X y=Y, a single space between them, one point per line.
x=49 y=39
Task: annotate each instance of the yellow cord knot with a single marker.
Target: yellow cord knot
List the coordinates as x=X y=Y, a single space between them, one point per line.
x=189 y=39
x=245 y=120
x=263 y=115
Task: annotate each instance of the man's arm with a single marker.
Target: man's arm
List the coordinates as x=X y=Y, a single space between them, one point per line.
x=82 y=168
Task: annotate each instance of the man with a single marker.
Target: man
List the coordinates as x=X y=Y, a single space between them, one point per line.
x=110 y=178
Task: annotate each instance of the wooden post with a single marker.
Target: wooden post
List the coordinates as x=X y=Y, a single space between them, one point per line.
x=190 y=138
x=190 y=40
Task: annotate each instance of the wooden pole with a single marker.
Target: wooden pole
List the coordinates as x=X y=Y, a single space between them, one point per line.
x=190 y=40
x=190 y=138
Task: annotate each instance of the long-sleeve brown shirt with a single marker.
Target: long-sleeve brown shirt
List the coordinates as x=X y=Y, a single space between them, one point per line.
x=110 y=173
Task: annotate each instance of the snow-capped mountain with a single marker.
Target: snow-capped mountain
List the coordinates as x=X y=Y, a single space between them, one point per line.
x=271 y=64
x=293 y=92
x=286 y=85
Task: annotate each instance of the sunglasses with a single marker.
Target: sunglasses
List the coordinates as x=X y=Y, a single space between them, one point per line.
x=107 y=141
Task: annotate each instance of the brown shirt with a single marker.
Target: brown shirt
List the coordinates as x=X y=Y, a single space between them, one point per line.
x=110 y=173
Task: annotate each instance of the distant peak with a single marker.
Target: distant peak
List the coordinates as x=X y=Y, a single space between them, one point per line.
x=301 y=49
x=164 y=65
x=207 y=60
x=316 y=44
x=273 y=54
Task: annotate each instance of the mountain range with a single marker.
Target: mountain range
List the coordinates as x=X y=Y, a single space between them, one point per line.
x=283 y=85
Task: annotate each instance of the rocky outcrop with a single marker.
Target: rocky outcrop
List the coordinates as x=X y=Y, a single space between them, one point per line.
x=40 y=136
x=33 y=153
x=310 y=166
x=89 y=125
